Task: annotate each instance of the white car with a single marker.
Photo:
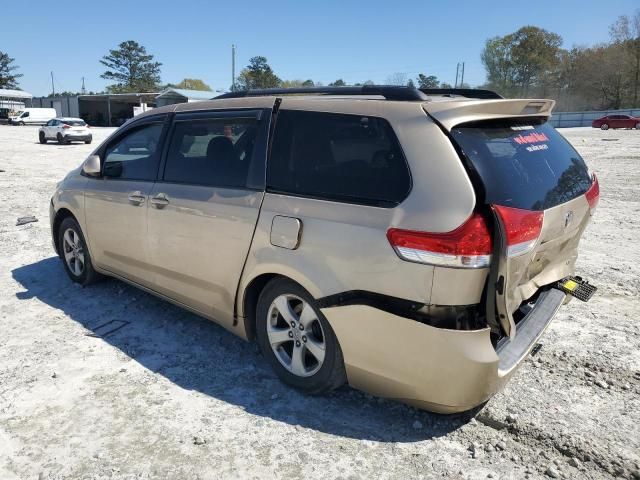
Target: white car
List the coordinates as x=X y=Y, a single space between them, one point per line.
x=65 y=130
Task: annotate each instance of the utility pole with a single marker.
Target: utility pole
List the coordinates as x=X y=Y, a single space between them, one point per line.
x=457 y=70
x=462 y=77
x=53 y=88
x=83 y=90
x=233 y=68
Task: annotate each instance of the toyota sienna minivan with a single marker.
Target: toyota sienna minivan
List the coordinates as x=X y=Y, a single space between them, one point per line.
x=413 y=244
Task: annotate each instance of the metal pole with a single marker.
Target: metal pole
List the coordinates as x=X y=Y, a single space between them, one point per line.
x=457 y=68
x=83 y=89
x=233 y=68
x=108 y=110
x=462 y=77
x=53 y=88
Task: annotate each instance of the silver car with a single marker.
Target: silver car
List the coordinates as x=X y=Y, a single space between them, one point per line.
x=415 y=244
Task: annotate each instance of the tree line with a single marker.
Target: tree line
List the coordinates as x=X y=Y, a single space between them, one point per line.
x=529 y=62
x=532 y=63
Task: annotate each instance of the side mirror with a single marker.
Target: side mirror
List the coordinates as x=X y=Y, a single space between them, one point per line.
x=91 y=166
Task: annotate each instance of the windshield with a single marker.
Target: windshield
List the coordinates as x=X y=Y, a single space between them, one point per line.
x=523 y=164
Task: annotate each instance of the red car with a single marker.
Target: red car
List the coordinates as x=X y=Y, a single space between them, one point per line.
x=616 y=121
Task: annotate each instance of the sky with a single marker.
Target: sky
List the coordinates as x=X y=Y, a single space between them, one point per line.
x=324 y=41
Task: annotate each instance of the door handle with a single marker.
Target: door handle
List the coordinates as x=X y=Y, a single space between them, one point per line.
x=136 y=198
x=160 y=200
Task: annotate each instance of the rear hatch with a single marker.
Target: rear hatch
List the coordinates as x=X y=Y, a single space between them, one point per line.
x=538 y=191
x=74 y=126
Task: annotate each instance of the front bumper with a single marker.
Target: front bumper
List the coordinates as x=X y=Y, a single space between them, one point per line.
x=436 y=369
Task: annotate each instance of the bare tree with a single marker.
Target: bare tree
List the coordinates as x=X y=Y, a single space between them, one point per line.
x=397 y=79
x=626 y=32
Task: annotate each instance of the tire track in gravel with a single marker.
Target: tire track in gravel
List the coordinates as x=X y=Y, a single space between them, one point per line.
x=535 y=438
x=591 y=371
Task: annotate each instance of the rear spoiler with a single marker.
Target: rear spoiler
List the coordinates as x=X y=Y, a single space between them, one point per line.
x=450 y=114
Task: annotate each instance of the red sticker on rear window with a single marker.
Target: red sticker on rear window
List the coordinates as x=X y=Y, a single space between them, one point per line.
x=533 y=137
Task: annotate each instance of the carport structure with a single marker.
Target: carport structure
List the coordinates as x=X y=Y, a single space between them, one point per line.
x=112 y=109
x=12 y=101
x=179 y=95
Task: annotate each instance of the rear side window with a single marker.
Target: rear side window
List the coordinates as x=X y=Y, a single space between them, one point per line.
x=523 y=165
x=350 y=158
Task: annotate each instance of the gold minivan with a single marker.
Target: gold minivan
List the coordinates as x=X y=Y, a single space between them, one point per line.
x=415 y=244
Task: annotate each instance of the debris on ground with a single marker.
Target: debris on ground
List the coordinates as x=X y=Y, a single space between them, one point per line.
x=25 y=220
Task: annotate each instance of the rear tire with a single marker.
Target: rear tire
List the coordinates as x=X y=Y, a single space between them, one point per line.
x=300 y=344
x=74 y=253
x=87 y=141
x=604 y=126
x=638 y=126
x=42 y=138
x=60 y=139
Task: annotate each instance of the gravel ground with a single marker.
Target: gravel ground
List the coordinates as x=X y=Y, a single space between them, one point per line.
x=171 y=395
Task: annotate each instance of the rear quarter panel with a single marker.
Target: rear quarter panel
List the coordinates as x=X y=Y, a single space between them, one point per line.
x=344 y=247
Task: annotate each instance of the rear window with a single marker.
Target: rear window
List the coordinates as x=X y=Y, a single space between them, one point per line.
x=340 y=157
x=523 y=165
x=73 y=123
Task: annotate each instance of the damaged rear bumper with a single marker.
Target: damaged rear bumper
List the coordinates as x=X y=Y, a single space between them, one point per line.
x=436 y=369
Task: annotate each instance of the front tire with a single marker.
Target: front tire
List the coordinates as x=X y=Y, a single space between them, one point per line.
x=74 y=253
x=42 y=138
x=21 y=124
x=604 y=126
x=297 y=340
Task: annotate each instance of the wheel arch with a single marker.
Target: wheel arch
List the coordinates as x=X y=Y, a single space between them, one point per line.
x=61 y=214
x=250 y=294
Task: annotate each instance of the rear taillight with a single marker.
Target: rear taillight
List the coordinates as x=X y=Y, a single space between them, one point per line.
x=65 y=126
x=468 y=246
x=593 y=194
x=522 y=228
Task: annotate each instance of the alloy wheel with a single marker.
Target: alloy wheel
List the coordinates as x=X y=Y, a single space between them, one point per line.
x=296 y=335
x=73 y=251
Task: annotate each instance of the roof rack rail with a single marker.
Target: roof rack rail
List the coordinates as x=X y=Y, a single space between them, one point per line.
x=462 y=92
x=389 y=92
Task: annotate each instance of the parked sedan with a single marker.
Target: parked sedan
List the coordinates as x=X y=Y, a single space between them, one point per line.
x=65 y=130
x=616 y=121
